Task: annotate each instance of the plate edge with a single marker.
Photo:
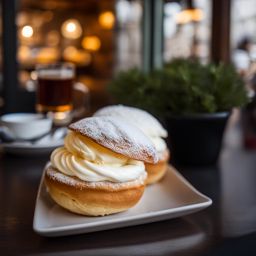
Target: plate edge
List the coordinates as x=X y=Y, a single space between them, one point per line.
x=163 y=214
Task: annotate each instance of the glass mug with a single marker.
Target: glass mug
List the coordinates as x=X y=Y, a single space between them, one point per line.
x=55 y=91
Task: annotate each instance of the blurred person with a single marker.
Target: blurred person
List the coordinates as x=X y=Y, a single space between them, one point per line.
x=241 y=55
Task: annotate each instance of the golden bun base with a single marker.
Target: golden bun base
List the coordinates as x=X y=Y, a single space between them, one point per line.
x=157 y=171
x=93 y=201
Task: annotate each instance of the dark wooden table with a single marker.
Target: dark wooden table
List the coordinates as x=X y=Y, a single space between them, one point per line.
x=228 y=227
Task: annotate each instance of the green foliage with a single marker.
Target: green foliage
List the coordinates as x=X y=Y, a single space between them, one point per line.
x=181 y=87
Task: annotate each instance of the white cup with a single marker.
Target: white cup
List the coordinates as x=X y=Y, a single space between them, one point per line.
x=26 y=126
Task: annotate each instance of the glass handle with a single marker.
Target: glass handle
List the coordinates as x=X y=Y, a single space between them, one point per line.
x=81 y=100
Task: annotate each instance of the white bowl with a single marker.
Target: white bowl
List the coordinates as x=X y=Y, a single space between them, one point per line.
x=26 y=125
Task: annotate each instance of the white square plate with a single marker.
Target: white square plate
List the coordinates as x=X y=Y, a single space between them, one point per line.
x=170 y=198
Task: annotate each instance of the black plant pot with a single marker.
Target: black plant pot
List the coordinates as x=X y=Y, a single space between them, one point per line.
x=196 y=139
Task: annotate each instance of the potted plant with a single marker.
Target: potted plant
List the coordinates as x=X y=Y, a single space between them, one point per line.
x=193 y=99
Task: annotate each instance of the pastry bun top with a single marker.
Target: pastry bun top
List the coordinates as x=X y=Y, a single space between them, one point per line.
x=142 y=119
x=117 y=135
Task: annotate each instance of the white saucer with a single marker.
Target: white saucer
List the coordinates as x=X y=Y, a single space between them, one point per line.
x=172 y=197
x=44 y=145
x=27 y=148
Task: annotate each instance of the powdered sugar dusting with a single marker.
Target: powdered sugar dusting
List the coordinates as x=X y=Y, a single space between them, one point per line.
x=142 y=119
x=54 y=174
x=118 y=135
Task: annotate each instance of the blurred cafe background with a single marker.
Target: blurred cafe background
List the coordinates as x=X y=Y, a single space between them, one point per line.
x=104 y=37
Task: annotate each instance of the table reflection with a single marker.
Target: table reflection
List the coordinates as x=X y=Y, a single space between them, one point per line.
x=158 y=238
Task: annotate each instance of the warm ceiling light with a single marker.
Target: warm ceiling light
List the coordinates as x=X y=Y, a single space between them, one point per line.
x=107 y=20
x=91 y=43
x=27 y=31
x=71 y=29
x=189 y=15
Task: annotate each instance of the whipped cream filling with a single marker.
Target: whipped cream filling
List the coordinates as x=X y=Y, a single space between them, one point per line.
x=87 y=160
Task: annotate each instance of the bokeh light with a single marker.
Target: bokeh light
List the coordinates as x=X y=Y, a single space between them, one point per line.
x=91 y=43
x=71 y=29
x=27 y=31
x=107 y=20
